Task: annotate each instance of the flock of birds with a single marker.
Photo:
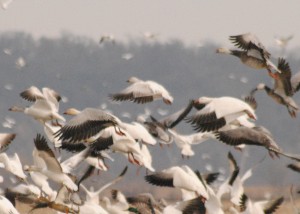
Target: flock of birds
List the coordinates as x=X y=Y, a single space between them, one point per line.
x=92 y=134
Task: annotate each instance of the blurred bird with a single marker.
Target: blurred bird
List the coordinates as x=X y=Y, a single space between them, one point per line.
x=247 y=206
x=86 y=125
x=5 y=4
x=45 y=106
x=257 y=136
x=283 y=41
x=13 y=165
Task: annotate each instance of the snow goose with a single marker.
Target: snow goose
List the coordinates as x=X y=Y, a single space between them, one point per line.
x=107 y=38
x=68 y=198
x=87 y=154
x=138 y=132
x=41 y=181
x=217 y=112
x=5 y=140
x=57 y=204
x=247 y=206
x=185 y=142
x=252 y=53
x=283 y=89
x=141 y=91
x=85 y=125
x=178 y=177
x=48 y=165
x=6 y=207
x=13 y=165
x=159 y=128
x=257 y=136
x=94 y=196
x=45 y=106
x=124 y=144
x=234 y=170
x=145 y=158
x=235 y=181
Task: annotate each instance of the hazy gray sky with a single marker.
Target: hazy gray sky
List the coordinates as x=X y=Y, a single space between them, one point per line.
x=193 y=21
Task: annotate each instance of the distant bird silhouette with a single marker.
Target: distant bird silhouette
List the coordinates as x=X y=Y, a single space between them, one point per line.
x=107 y=38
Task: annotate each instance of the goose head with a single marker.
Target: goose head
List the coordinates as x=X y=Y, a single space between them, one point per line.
x=16 y=109
x=203 y=100
x=223 y=50
x=260 y=86
x=133 y=80
x=72 y=111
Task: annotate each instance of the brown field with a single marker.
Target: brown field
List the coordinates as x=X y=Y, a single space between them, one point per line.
x=254 y=193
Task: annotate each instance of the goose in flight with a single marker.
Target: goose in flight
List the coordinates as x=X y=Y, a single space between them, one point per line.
x=247 y=206
x=179 y=177
x=252 y=53
x=13 y=165
x=45 y=106
x=83 y=153
x=50 y=129
x=185 y=142
x=284 y=87
x=124 y=144
x=257 y=136
x=138 y=132
x=235 y=183
x=85 y=125
x=94 y=196
x=47 y=164
x=215 y=113
x=159 y=128
x=140 y=91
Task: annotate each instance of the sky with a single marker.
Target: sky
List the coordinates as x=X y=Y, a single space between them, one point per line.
x=192 y=21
